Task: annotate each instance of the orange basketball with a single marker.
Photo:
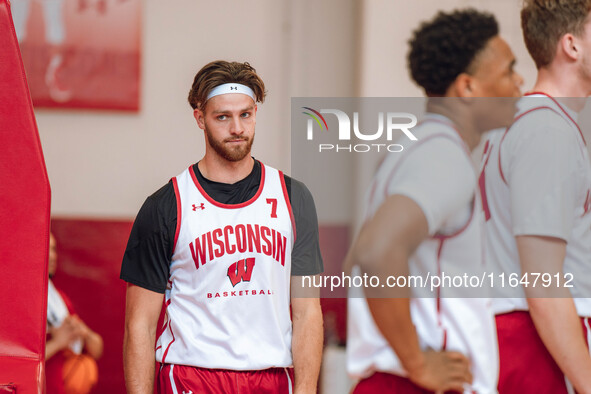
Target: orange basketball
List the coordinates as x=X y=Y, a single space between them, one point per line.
x=80 y=374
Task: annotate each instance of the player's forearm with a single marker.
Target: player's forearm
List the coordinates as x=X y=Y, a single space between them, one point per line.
x=93 y=344
x=555 y=316
x=52 y=347
x=142 y=308
x=392 y=316
x=139 y=360
x=560 y=328
x=307 y=342
x=391 y=311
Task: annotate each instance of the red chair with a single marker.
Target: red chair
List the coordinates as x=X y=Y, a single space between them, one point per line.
x=24 y=225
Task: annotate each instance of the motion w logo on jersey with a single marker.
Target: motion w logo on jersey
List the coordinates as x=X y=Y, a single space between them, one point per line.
x=241 y=271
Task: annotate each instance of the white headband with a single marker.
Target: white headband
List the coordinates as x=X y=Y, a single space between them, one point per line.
x=231 y=88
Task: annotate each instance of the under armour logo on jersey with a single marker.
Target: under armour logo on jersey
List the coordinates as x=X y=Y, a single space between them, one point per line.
x=241 y=271
x=233 y=87
x=200 y=206
x=189 y=392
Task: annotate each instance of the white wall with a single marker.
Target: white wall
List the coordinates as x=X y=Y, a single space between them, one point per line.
x=387 y=26
x=104 y=164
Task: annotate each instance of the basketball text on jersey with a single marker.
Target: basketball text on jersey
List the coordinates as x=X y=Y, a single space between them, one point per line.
x=240 y=293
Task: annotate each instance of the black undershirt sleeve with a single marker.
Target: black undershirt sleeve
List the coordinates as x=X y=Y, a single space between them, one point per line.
x=146 y=262
x=305 y=256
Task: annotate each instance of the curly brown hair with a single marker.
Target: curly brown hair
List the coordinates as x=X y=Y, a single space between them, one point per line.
x=544 y=22
x=446 y=46
x=220 y=72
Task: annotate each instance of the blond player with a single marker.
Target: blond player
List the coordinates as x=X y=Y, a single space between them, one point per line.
x=536 y=193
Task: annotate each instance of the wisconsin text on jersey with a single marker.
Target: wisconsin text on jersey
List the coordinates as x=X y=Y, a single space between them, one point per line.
x=240 y=238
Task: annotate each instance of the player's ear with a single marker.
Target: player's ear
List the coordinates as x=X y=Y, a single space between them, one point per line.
x=200 y=118
x=463 y=86
x=569 y=45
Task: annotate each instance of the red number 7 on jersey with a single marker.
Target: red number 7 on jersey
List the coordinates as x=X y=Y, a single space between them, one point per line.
x=273 y=202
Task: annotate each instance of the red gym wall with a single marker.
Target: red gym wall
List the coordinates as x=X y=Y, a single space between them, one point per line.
x=89 y=260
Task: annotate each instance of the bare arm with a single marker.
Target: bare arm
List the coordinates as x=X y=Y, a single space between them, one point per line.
x=72 y=329
x=61 y=337
x=51 y=348
x=383 y=248
x=556 y=318
x=142 y=309
x=307 y=339
x=93 y=342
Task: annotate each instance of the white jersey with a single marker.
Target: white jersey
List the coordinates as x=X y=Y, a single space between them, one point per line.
x=228 y=297
x=57 y=311
x=536 y=180
x=439 y=159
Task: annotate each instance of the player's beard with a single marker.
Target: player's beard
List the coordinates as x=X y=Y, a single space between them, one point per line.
x=228 y=150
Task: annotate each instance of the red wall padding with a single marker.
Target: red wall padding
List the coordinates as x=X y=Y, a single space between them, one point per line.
x=334 y=244
x=24 y=223
x=89 y=260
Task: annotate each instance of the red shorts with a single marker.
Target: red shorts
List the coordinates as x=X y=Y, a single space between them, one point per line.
x=181 y=379
x=526 y=365
x=381 y=382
